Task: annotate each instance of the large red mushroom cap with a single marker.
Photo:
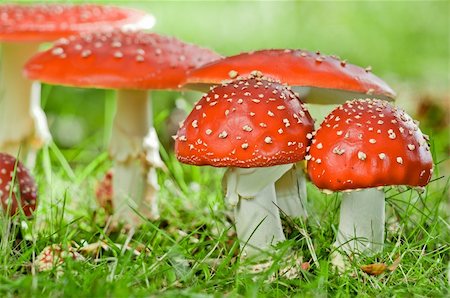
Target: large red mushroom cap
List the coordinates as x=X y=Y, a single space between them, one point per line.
x=296 y=68
x=253 y=122
x=368 y=143
x=23 y=189
x=118 y=60
x=48 y=22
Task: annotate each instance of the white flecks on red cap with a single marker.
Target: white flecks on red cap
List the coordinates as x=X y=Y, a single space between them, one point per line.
x=365 y=158
x=296 y=68
x=118 y=60
x=46 y=22
x=248 y=126
x=16 y=184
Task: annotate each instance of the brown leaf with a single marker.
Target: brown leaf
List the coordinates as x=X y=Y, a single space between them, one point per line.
x=374 y=269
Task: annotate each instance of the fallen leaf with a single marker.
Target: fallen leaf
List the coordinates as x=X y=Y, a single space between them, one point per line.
x=374 y=269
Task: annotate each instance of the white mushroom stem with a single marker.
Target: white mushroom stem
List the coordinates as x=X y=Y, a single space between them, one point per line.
x=23 y=125
x=134 y=148
x=258 y=223
x=291 y=193
x=361 y=223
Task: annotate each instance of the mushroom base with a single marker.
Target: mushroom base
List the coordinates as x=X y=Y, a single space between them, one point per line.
x=134 y=148
x=23 y=125
x=361 y=223
x=257 y=215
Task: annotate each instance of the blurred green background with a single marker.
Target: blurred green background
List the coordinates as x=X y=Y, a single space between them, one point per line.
x=406 y=43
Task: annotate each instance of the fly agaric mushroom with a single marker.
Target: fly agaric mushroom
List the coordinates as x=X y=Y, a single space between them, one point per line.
x=257 y=128
x=319 y=79
x=132 y=63
x=53 y=257
x=22 y=29
x=367 y=144
x=328 y=79
x=18 y=191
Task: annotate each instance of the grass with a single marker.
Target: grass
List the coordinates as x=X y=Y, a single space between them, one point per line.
x=192 y=250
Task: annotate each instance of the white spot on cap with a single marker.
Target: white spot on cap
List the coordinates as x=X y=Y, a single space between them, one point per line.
x=118 y=54
x=247 y=128
x=86 y=53
x=338 y=151
x=372 y=141
x=411 y=147
x=361 y=155
x=58 y=51
x=382 y=156
x=223 y=135
x=400 y=160
x=233 y=74
x=268 y=140
x=244 y=145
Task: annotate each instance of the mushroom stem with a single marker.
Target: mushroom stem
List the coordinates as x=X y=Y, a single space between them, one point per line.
x=23 y=125
x=257 y=216
x=134 y=148
x=361 y=223
x=291 y=193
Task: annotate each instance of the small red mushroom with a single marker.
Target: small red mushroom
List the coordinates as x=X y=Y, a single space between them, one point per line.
x=365 y=144
x=133 y=62
x=54 y=256
x=257 y=128
x=22 y=29
x=18 y=190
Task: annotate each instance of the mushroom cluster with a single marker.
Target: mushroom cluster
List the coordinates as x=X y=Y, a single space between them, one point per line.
x=251 y=121
x=22 y=29
x=360 y=147
x=257 y=128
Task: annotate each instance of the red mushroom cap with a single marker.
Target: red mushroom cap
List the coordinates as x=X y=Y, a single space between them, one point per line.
x=52 y=21
x=296 y=68
x=368 y=143
x=252 y=122
x=26 y=188
x=121 y=60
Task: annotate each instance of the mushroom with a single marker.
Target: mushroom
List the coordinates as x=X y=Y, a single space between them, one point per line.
x=132 y=63
x=318 y=78
x=18 y=192
x=22 y=29
x=257 y=128
x=53 y=257
x=362 y=146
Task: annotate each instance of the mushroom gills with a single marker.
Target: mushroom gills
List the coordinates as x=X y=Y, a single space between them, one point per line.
x=361 y=222
x=329 y=96
x=23 y=125
x=291 y=193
